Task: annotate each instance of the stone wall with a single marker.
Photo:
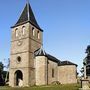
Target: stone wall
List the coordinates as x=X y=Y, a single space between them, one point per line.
x=41 y=70
x=67 y=74
x=12 y=81
x=54 y=66
x=24 y=46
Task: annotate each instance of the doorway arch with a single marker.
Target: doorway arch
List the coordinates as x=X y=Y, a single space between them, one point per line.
x=18 y=77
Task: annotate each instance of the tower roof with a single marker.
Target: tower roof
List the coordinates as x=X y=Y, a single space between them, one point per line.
x=27 y=16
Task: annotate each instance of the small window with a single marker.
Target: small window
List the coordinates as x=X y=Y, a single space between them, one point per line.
x=53 y=73
x=18 y=59
x=38 y=35
x=23 y=30
x=33 y=31
x=16 y=32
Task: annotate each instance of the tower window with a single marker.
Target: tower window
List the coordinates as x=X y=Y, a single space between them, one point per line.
x=16 y=32
x=23 y=30
x=53 y=73
x=18 y=59
x=33 y=31
x=38 y=35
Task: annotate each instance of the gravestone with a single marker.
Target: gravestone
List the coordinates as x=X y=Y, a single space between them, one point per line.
x=84 y=84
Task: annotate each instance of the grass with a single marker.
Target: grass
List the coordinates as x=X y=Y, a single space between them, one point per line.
x=50 y=87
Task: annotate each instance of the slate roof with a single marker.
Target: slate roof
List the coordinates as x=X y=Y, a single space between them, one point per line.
x=27 y=16
x=41 y=52
x=66 y=63
x=52 y=58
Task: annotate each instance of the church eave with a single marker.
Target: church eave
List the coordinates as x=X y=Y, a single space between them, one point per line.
x=62 y=63
x=25 y=23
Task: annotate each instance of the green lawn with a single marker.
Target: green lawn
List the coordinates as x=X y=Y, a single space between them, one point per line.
x=51 y=87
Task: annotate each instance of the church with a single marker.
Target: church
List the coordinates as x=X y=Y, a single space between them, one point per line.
x=30 y=64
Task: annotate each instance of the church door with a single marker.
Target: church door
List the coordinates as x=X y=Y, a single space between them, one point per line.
x=18 y=78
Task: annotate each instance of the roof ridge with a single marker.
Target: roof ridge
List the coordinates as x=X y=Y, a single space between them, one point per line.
x=28 y=10
x=67 y=63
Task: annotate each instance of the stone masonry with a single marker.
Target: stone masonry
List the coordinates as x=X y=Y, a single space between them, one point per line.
x=29 y=63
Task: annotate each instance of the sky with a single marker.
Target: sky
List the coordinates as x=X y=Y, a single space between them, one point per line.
x=66 y=25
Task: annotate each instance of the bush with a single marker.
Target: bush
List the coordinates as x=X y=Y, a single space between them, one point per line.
x=2 y=82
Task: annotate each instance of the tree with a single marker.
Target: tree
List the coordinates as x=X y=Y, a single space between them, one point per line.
x=1 y=74
x=88 y=50
x=82 y=71
x=1 y=67
x=6 y=73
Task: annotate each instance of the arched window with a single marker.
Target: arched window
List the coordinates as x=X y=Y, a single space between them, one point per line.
x=23 y=30
x=38 y=35
x=53 y=73
x=16 y=32
x=33 y=31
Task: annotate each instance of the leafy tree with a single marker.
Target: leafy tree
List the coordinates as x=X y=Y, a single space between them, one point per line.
x=82 y=71
x=1 y=74
x=1 y=67
x=88 y=50
x=6 y=76
x=6 y=73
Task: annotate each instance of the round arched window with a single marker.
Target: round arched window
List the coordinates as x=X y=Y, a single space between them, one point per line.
x=23 y=30
x=16 y=32
x=38 y=35
x=33 y=31
x=18 y=59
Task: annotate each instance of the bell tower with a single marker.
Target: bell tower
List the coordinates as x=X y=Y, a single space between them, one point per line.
x=26 y=38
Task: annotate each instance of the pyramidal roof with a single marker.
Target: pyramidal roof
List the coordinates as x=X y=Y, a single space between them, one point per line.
x=27 y=16
x=40 y=52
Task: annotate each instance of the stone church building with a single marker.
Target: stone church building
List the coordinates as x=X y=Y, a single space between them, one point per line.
x=29 y=63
